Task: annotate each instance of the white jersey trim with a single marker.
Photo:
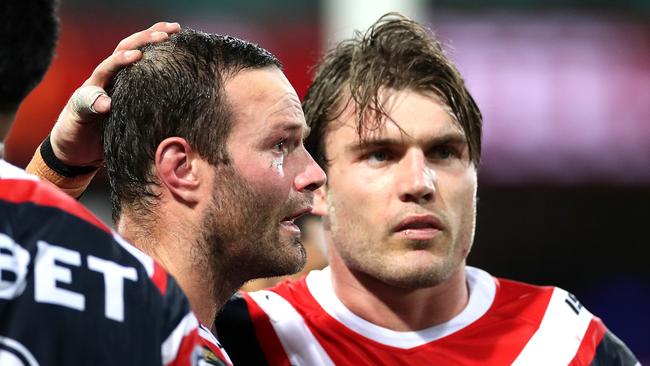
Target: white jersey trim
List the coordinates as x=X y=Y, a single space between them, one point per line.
x=8 y=171
x=207 y=335
x=482 y=290
x=299 y=343
x=171 y=345
x=560 y=333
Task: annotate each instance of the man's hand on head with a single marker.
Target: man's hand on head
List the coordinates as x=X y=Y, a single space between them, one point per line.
x=76 y=136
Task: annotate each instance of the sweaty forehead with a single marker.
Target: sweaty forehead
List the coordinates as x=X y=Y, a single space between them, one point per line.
x=287 y=106
x=266 y=85
x=263 y=97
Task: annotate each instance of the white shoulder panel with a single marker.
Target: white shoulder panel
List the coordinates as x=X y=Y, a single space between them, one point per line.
x=298 y=341
x=560 y=333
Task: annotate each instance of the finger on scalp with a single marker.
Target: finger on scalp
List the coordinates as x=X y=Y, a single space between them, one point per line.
x=167 y=27
x=106 y=71
x=134 y=41
x=142 y=38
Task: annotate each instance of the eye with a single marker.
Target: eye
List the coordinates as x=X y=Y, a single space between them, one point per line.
x=444 y=152
x=379 y=156
x=281 y=146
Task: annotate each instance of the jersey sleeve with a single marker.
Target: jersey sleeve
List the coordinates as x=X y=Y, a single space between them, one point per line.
x=612 y=351
x=601 y=347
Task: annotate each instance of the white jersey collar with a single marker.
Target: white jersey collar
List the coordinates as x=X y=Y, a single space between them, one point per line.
x=482 y=290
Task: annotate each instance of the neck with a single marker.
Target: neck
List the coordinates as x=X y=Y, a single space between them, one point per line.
x=206 y=285
x=397 y=308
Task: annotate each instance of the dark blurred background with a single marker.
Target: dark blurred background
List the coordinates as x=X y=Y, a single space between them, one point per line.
x=564 y=87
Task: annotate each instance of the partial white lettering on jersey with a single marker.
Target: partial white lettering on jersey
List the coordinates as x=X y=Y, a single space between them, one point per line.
x=114 y=276
x=13 y=353
x=51 y=269
x=13 y=267
x=47 y=273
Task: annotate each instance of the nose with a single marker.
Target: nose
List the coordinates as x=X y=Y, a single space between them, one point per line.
x=416 y=178
x=311 y=177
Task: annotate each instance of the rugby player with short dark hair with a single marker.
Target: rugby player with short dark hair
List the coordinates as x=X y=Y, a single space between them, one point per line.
x=205 y=156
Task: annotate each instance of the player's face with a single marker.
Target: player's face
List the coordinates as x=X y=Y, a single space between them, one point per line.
x=401 y=208
x=272 y=177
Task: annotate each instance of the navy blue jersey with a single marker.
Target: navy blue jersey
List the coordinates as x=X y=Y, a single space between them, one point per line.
x=72 y=292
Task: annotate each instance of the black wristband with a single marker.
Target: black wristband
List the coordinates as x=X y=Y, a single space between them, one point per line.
x=60 y=167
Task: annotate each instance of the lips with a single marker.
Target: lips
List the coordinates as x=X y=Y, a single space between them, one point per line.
x=297 y=214
x=287 y=222
x=419 y=222
x=419 y=227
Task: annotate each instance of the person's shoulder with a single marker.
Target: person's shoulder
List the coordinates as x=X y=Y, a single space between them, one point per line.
x=518 y=288
x=53 y=240
x=560 y=321
x=512 y=292
x=290 y=288
x=250 y=305
x=35 y=213
x=507 y=296
x=246 y=331
x=247 y=324
x=28 y=194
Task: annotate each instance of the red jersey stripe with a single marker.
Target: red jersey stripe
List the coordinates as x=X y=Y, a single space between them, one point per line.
x=267 y=338
x=590 y=341
x=159 y=277
x=187 y=350
x=209 y=341
x=45 y=194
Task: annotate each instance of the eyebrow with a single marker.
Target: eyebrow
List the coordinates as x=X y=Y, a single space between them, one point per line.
x=292 y=126
x=451 y=138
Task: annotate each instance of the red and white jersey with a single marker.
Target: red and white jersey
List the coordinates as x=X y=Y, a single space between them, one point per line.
x=505 y=323
x=213 y=352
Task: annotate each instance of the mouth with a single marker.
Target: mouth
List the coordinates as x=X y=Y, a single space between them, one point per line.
x=288 y=221
x=419 y=227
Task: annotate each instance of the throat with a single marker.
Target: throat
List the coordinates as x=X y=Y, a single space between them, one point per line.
x=400 y=309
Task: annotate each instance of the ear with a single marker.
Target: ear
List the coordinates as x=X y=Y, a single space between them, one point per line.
x=320 y=201
x=178 y=169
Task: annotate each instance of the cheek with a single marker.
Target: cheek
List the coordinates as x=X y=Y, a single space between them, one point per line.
x=458 y=196
x=464 y=208
x=356 y=198
x=266 y=176
x=277 y=188
x=461 y=190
